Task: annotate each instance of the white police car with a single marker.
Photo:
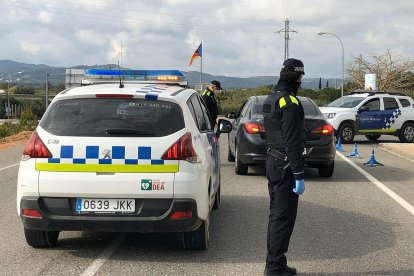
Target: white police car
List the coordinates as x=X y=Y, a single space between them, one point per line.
x=372 y=113
x=133 y=157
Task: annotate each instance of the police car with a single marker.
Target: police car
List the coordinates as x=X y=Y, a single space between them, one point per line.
x=372 y=113
x=135 y=156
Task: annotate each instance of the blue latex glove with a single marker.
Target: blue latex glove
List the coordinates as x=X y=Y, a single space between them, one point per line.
x=300 y=187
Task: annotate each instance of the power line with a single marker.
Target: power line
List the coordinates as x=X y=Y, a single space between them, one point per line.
x=143 y=22
x=286 y=30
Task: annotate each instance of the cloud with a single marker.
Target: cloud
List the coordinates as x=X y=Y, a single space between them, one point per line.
x=239 y=37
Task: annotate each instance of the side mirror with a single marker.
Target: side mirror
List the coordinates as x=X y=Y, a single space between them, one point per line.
x=230 y=115
x=224 y=126
x=363 y=108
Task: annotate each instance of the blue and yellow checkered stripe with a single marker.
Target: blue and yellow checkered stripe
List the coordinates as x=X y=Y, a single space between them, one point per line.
x=95 y=159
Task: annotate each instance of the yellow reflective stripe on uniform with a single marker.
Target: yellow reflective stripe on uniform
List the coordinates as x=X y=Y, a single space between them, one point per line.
x=206 y=92
x=116 y=168
x=282 y=102
x=294 y=100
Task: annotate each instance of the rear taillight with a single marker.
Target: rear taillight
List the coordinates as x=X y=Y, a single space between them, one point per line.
x=182 y=215
x=35 y=148
x=323 y=130
x=31 y=213
x=182 y=150
x=253 y=128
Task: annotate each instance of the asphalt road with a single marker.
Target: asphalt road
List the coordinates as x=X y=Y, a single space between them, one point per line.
x=346 y=225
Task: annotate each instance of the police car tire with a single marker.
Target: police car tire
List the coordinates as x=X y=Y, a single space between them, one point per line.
x=230 y=156
x=240 y=168
x=406 y=134
x=41 y=239
x=198 y=239
x=326 y=171
x=217 y=199
x=373 y=137
x=350 y=131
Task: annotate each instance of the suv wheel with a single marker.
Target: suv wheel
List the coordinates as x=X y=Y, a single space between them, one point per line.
x=39 y=238
x=406 y=134
x=240 y=168
x=373 y=137
x=230 y=156
x=217 y=199
x=198 y=239
x=347 y=133
x=326 y=171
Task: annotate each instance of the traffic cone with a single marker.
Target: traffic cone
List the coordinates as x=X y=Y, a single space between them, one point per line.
x=355 y=153
x=372 y=162
x=339 y=145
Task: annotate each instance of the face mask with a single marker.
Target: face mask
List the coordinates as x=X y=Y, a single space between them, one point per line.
x=296 y=85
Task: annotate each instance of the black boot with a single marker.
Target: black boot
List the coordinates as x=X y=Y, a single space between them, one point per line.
x=287 y=271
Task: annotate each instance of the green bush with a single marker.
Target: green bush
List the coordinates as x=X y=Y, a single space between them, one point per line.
x=28 y=120
x=8 y=129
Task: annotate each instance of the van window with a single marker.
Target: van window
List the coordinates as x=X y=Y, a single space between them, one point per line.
x=404 y=102
x=112 y=117
x=390 y=103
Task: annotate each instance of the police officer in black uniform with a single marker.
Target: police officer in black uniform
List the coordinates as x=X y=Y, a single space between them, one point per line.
x=210 y=100
x=285 y=135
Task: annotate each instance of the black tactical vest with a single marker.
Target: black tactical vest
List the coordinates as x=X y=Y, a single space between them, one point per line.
x=274 y=134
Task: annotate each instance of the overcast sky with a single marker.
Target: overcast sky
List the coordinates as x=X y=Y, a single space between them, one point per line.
x=239 y=36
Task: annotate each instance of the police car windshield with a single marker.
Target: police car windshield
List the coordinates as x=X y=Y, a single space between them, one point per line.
x=346 y=102
x=104 y=117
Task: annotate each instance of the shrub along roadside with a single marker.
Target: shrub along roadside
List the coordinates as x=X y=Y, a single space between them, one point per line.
x=28 y=121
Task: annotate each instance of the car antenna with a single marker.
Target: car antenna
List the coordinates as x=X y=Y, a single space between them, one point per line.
x=121 y=85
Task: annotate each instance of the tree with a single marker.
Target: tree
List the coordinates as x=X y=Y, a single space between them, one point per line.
x=320 y=84
x=394 y=72
x=327 y=84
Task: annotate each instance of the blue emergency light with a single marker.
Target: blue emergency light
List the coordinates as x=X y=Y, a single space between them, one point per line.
x=135 y=75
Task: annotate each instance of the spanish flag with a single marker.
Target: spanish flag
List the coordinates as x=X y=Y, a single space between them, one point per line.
x=197 y=53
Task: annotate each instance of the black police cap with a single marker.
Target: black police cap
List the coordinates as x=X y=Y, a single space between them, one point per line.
x=217 y=84
x=294 y=65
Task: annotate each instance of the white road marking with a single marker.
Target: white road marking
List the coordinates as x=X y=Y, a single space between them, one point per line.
x=105 y=255
x=9 y=166
x=381 y=186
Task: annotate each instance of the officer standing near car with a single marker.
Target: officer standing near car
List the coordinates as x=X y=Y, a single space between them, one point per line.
x=210 y=100
x=285 y=135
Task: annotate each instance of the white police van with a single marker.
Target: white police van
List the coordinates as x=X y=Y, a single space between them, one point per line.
x=372 y=113
x=136 y=156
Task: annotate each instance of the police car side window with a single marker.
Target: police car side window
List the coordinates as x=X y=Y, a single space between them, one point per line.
x=373 y=104
x=390 y=103
x=404 y=102
x=205 y=112
x=198 y=112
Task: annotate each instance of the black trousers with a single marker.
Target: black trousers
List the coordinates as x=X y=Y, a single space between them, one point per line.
x=282 y=217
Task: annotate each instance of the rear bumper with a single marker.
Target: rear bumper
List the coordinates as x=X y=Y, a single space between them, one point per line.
x=321 y=156
x=58 y=215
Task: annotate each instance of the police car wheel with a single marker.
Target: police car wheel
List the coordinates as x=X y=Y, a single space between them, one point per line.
x=407 y=133
x=373 y=137
x=230 y=156
x=239 y=168
x=198 y=239
x=347 y=133
x=217 y=199
x=41 y=239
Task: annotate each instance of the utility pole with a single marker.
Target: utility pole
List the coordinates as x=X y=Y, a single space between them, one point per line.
x=286 y=30
x=47 y=91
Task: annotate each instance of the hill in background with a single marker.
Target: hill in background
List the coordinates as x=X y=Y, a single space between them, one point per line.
x=35 y=75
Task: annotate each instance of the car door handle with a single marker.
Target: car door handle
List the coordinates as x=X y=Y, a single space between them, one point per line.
x=209 y=148
x=197 y=137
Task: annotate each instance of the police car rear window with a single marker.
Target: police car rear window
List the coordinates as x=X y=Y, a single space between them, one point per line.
x=107 y=117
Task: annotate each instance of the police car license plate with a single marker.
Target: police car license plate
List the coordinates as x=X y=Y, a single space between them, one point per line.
x=105 y=205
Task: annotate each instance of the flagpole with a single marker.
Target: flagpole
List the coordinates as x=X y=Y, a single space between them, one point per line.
x=201 y=70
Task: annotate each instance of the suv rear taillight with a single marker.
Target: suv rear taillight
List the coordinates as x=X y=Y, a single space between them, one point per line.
x=323 y=130
x=35 y=148
x=182 y=150
x=253 y=128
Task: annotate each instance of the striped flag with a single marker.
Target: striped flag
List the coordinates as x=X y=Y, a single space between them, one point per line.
x=197 y=53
